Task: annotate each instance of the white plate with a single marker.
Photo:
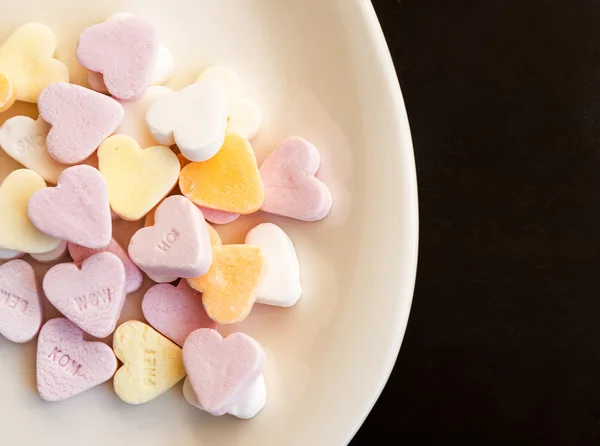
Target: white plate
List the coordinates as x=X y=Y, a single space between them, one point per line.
x=319 y=69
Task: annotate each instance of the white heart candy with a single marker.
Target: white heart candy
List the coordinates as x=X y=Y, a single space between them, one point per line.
x=280 y=285
x=194 y=118
x=134 y=122
x=245 y=118
x=24 y=140
x=247 y=407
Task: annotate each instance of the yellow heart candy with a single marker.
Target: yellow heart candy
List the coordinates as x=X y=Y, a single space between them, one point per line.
x=229 y=181
x=215 y=238
x=229 y=287
x=26 y=59
x=8 y=95
x=137 y=179
x=16 y=230
x=151 y=363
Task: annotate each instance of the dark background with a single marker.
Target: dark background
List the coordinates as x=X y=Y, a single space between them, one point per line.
x=503 y=341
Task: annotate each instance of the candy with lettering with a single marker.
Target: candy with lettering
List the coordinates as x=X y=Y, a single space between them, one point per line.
x=77 y=210
x=152 y=364
x=80 y=118
x=24 y=140
x=90 y=296
x=249 y=405
x=17 y=232
x=280 y=285
x=20 y=302
x=175 y=311
x=67 y=365
x=291 y=188
x=221 y=370
x=133 y=275
x=177 y=245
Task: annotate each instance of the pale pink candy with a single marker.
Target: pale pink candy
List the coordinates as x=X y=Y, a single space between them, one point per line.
x=291 y=188
x=133 y=275
x=77 y=210
x=123 y=51
x=178 y=245
x=80 y=118
x=218 y=217
x=175 y=311
x=221 y=370
x=92 y=296
x=67 y=365
x=96 y=82
x=20 y=302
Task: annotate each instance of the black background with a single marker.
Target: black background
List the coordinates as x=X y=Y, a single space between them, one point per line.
x=503 y=342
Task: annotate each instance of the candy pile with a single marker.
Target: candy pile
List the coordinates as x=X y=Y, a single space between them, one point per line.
x=173 y=158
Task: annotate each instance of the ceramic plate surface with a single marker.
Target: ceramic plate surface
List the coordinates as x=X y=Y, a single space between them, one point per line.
x=319 y=69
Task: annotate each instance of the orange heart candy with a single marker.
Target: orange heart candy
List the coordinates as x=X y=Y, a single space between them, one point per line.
x=229 y=181
x=229 y=287
x=8 y=95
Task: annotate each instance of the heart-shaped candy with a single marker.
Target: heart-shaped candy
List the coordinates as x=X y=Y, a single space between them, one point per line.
x=8 y=95
x=24 y=140
x=92 y=296
x=194 y=118
x=80 y=118
x=138 y=179
x=177 y=245
x=124 y=51
x=20 y=302
x=16 y=230
x=221 y=370
x=175 y=311
x=244 y=117
x=134 y=121
x=229 y=288
x=67 y=365
x=133 y=275
x=291 y=188
x=26 y=59
x=249 y=405
x=229 y=181
x=77 y=210
x=218 y=217
x=280 y=285
x=151 y=363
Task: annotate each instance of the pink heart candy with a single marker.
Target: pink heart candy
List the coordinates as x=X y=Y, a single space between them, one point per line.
x=218 y=217
x=92 y=296
x=133 y=275
x=175 y=311
x=80 y=118
x=20 y=302
x=221 y=370
x=77 y=210
x=291 y=188
x=122 y=50
x=67 y=365
x=178 y=245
